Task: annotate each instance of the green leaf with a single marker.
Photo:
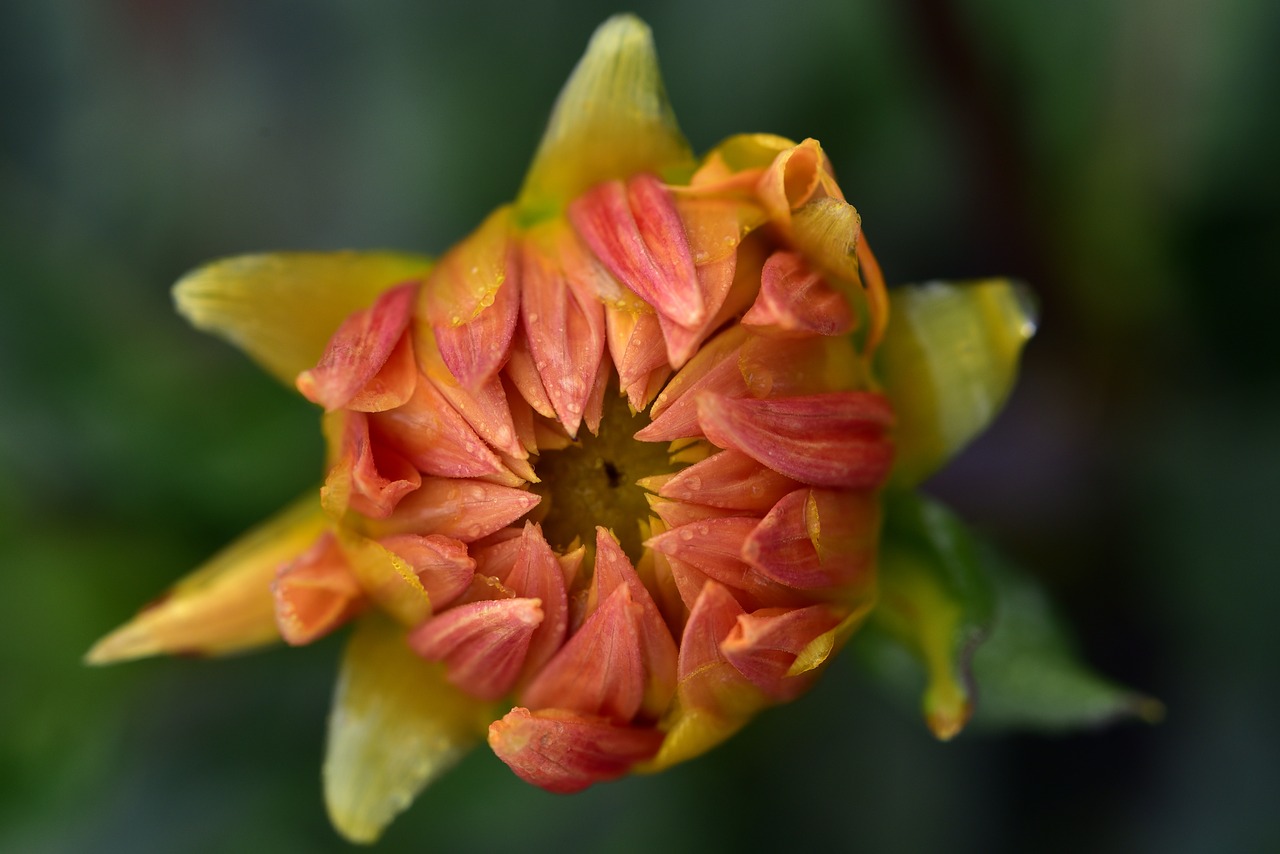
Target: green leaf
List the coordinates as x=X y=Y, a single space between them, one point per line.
x=959 y=624
x=1029 y=673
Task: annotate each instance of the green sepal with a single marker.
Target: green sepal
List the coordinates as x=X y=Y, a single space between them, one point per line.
x=948 y=361
x=934 y=604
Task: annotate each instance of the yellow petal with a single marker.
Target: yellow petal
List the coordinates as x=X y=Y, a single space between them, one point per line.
x=396 y=725
x=612 y=120
x=224 y=606
x=282 y=309
x=948 y=360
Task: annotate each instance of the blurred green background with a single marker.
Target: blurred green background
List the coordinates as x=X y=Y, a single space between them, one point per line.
x=1120 y=156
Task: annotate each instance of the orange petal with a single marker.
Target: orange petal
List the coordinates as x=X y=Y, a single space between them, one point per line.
x=431 y=434
x=835 y=439
x=564 y=752
x=524 y=375
x=729 y=479
x=795 y=299
x=441 y=564
x=636 y=232
x=599 y=670
x=790 y=181
x=359 y=349
x=463 y=509
x=483 y=645
x=316 y=593
x=537 y=573
x=764 y=645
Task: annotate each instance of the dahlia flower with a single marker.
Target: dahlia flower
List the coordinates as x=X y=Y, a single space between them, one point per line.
x=606 y=479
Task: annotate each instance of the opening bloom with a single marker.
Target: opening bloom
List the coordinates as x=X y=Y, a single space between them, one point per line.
x=604 y=481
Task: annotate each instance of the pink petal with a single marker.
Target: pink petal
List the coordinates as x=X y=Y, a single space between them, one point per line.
x=817 y=538
x=470 y=300
x=613 y=571
x=466 y=510
x=431 y=434
x=483 y=644
x=713 y=547
x=635 y=230
x=713 y=369
x=537 y=573
x=441 y=564
x=729 y=479
x=763 y=645
x=835 y=439
x=706 y=678
x=315 y=593
x=359 y=349
x=796 y=299
x=564 y=752
x=369 y=477
x=599 y=670
x=564 y=328
x=524 y=375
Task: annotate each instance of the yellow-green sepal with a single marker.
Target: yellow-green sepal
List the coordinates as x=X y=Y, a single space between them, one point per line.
x=948 y=361
x=282 y=309
x=611 y=120
x=396 y=725
x=225 y=606
x=934 y=604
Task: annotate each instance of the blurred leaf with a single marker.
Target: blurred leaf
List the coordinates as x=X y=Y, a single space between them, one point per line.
x=956 y=616
x=1029 y=673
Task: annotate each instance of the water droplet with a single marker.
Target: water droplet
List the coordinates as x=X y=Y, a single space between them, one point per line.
x=452 y=494
x=694 y=483
x=700 y=257
x=456 y=319
x=475 y=271
x=473 y=531
x=756 y=490
x=703 y=529
x=487 y=299
x=686 y=534
x=533 y=317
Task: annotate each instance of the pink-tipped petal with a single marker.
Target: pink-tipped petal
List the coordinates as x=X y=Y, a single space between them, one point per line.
x=466 y=510
x=469 y=301
x=315 y=593
x=816 y=538
x=434 y=437
x=441 y=564
x=483 y=645
x=707 y=681
x=658 y=652
x=564 y=752
x=524 y=375
x=635 y=230
x=796 y=299
x=713 y=369
x=537 y=573
x=368 y=477
x=564 y=326
x=599 y=671
x=764 y=645
x=359 y=349
x=713 y=547
x=729 y=479
x=836 y=439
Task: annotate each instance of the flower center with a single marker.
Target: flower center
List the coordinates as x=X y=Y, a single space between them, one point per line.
x=593 y=481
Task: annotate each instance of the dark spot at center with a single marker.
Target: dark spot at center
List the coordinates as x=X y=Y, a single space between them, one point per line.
x=611 y=472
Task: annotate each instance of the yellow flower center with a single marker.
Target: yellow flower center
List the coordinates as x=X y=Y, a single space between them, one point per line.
x=593 y=481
